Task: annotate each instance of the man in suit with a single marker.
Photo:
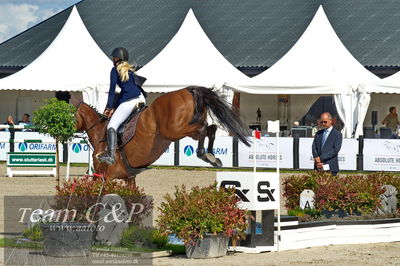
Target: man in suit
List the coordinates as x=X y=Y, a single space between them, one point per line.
x=326 y=146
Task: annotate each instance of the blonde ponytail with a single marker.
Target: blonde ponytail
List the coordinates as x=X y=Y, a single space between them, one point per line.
x=123 y=70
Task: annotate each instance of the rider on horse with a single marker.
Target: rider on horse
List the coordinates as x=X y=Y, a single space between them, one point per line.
x=122 y=74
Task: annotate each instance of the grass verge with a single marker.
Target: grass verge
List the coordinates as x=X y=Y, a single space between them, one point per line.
x=13 y=242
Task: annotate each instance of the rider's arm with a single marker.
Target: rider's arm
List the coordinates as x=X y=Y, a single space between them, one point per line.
x=111 y=91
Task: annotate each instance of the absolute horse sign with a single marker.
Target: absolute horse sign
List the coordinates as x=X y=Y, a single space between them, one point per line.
x=382 y=154
x=347 y=155
x=266 y=153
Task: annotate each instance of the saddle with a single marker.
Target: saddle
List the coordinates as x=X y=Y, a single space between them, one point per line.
x=125 y=133
x=127 y=129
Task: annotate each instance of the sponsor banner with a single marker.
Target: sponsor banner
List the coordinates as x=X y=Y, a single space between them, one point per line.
x=382 y=154
x=257 y=191
x=78 y=152
x=4 y=146
x=47 y=144
x=266 y=153
x=223 y=149
x=347 y=155
x=31 y=159
x=167 y=158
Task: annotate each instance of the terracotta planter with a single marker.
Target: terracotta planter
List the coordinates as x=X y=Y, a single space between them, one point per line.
x=211 y=246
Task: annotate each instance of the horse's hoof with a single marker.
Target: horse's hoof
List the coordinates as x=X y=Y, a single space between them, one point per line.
x=213 y=160
x=217 y=163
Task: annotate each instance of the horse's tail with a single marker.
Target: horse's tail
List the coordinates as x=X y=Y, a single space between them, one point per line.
x=229 y=119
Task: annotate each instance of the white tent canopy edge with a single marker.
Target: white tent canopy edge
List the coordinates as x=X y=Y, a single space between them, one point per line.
x=59 y=67
x=319 y=64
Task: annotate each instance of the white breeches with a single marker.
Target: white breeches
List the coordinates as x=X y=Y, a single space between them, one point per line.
x=123 y=111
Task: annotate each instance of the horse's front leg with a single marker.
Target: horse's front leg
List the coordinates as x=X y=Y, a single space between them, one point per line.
x=201 y=136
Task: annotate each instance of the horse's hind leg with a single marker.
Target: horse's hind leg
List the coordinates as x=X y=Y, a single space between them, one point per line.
x=211 y=138
x=209 y=156
x=216 y=162
x=200 y=136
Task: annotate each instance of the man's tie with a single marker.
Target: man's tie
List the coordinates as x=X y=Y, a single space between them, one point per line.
x=324 y=137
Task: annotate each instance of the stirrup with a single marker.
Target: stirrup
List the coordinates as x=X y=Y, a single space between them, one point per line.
x=104 y=157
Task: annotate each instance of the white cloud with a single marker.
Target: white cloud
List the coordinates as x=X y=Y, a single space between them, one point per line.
x=15 y=18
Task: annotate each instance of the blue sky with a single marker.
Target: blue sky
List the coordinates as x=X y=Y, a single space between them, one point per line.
x=19 y=15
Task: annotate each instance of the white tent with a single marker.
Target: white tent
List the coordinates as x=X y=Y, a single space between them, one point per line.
x=190 y=58
x=390 y=84
x=317 y=64
x=72 y=62
x=377 y=95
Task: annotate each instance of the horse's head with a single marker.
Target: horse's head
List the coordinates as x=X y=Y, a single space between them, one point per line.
x=79 y=121
x=79 y=114
x=86 y=117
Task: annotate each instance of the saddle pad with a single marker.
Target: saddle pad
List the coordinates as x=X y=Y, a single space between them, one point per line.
x=129 y=129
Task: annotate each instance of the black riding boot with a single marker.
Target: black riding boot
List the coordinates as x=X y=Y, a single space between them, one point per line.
x=109 y=156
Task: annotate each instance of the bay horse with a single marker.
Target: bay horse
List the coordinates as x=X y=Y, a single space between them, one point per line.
x=170 y=117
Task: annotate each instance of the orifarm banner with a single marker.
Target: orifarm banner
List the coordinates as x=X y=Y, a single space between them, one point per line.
x=47 y=143
x=347 y=154
x=4 y=146
x=381 y=154
x=223 y=149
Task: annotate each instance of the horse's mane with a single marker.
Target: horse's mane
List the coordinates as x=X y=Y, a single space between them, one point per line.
x=96 y=111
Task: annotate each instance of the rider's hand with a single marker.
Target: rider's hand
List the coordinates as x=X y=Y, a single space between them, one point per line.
x=108 y=112
x=111 y=113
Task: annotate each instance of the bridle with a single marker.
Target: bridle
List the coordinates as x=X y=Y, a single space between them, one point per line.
x=98 y=122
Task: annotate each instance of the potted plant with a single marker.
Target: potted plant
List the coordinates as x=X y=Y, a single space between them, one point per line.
x=76 y=204
x=204 y=218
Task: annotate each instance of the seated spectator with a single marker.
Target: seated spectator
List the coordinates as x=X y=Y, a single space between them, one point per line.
x=10 y=121
x=25 y=122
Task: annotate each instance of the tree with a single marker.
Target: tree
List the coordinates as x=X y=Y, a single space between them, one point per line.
x=56 y=119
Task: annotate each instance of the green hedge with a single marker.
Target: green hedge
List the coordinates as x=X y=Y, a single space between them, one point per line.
x=351 y=193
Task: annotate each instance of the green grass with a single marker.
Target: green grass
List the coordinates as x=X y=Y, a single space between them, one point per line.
x=117 y=249
x=232 y=169
x=75 y=164
x=176 y=249
x=240 y=169
x=12 y=242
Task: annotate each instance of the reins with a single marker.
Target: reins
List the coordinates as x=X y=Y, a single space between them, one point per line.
x=101 y=119
x=98 y=122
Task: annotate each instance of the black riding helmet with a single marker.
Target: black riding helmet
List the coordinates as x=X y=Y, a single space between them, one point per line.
x=120 y=53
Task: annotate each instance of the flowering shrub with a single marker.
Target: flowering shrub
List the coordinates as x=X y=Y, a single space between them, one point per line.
x=192 y=214
x=349 y=193
x=82 y=193
x=295 y=184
